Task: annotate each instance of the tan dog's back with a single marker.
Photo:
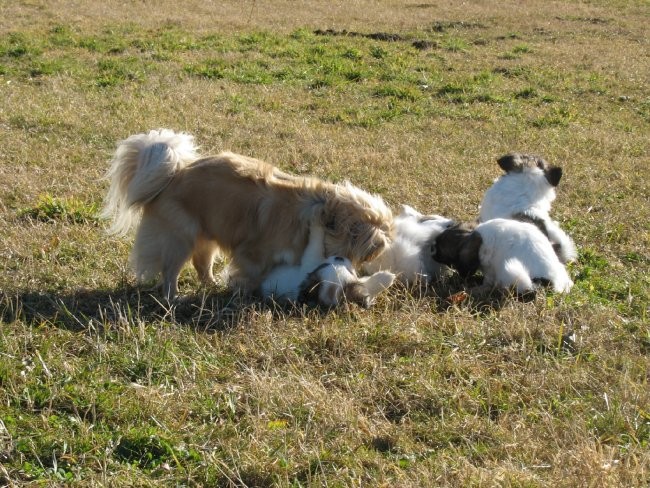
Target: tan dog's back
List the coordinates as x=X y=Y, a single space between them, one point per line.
x=230 y=200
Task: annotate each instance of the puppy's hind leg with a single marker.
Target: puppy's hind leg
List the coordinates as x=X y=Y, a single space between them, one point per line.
x=203 y=257
x=514 y=273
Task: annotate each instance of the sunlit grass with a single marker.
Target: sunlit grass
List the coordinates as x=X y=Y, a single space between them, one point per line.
x=103 y=383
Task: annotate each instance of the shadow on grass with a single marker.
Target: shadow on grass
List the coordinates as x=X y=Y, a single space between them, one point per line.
x=206 y=310
x=470 y=294
x=77 y=310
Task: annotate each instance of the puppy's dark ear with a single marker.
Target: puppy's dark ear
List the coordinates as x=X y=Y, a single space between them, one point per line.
x=357 y=293
x=553 y=175
x=468 y=260
x=508 y=162
x=446 y=246
x=309 y=289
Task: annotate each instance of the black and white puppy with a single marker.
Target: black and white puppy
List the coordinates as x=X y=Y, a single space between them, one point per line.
x=525 y=193
x=325 y=282
x=509 y=253
x=335 y=281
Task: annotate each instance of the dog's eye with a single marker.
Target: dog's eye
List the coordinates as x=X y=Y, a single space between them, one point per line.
x=540 y=164
x=338 y=259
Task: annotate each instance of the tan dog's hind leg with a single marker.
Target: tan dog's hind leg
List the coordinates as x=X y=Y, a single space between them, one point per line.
x=176 y=255
x=203 y=257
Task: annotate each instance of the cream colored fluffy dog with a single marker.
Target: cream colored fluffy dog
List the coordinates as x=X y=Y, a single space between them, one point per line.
x=187 y=207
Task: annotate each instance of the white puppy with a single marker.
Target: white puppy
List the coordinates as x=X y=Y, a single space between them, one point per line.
x=327 y=282
x=409 y=254
x=525 y=193
x=509 y=253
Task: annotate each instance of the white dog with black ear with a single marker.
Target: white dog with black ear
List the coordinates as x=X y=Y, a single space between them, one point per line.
x=326 y=282
x=409 y=254
x=509 y=253
x=526 y=193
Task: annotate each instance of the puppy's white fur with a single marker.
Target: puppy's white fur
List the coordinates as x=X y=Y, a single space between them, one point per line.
x=509 y=253
x=518 y=253
x=409 y=254
x=526 y=192
x=186 y=207
x=329 y=281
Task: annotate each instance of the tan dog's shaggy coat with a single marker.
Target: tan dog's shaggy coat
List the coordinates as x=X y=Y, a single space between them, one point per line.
x=192 y=208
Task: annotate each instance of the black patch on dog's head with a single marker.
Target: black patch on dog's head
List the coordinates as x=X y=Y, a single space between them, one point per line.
x=469 y=260
x=516 y=163
x=356 y=292
x=458 y=246
x=310 y=287
x=553 y=175
x=509 y=162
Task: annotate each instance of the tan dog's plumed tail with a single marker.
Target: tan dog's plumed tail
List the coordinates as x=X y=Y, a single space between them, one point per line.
x=142 y=167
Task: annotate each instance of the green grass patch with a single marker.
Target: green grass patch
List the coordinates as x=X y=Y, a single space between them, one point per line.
x=71 y=210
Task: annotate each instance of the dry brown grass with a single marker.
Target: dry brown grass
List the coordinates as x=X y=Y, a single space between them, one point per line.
x=102 y=385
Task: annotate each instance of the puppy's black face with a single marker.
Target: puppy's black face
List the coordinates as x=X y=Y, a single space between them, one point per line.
x=357 y=293
x=516 y=163
x=458 y=247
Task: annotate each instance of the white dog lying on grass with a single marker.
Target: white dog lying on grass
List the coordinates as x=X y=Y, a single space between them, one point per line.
x=525 y=192
x=509 y=253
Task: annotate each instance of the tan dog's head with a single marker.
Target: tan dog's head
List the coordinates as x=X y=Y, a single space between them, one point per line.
x=357 y=225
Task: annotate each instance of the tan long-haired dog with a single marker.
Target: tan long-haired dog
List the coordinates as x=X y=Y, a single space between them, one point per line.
x=186 y=207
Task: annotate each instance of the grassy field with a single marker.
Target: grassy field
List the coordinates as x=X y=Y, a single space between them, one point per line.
x=101 y=384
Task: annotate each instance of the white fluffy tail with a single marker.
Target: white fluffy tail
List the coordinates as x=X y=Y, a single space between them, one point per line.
x=141 y=168
x=562 y=282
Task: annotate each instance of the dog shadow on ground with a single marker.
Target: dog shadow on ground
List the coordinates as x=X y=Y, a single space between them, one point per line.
x=206 y=310
x=470 y=294
x=83 y=308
